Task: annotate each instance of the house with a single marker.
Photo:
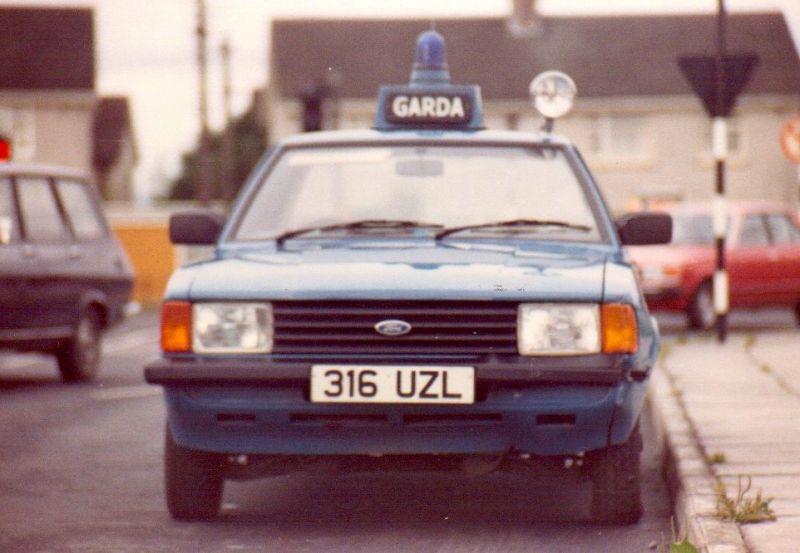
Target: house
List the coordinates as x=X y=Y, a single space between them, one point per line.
x=115 y=154
x=49 y=109
x=637 y=121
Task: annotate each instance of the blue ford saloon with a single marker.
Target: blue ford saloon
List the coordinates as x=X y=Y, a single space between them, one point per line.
x=425 y=294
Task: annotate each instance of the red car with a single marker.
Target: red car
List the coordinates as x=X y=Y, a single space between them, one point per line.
x=762 y=258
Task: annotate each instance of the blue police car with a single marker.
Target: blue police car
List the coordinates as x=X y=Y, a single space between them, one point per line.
x=426 y=293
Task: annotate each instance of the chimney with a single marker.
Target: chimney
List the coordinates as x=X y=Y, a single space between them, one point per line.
x=523 y=21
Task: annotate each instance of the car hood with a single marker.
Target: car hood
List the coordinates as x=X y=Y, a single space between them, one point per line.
x=400 y=272
x=670 y=255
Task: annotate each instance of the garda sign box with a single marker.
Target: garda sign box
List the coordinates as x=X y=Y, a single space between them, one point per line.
x=435 y=107
x=404 y=107
x=429 y=100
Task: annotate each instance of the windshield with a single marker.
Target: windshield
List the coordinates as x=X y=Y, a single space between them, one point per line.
x=475 y=191
x=692 y=229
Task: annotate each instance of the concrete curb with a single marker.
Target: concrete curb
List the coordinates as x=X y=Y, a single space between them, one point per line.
x=689 y=478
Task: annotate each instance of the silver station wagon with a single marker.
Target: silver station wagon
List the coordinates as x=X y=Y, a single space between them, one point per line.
x=64 y=278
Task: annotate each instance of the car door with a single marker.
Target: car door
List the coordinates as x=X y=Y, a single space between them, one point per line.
x=95 y=266
x=785 y=238
x=752 y=263
x=17 y=268
x=47 y=239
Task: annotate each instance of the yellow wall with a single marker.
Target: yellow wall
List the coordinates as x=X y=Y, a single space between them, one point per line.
x=152 y=255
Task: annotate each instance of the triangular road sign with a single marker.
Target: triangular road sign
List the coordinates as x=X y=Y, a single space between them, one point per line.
x=701 y=72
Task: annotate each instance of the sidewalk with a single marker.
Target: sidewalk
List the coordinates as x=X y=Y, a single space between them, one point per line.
x=728 y=411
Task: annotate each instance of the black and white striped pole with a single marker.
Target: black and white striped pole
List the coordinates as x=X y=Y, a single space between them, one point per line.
x=720 y=224
x=720 y=149
x=718 y=80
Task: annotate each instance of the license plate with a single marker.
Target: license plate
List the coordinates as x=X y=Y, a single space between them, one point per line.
x=392 y=384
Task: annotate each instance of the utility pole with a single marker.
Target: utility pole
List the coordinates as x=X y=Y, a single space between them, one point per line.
x=204 y=177
x=720 y=150
x=227 y=185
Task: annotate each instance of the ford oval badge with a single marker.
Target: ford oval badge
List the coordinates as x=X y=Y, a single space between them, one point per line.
x=392 y=327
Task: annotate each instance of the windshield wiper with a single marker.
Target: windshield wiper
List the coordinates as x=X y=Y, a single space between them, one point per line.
x=523 y=225
x=364 y=224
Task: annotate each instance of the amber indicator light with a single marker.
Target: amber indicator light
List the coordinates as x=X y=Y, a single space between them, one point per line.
x=176 y=326
x=620 y=332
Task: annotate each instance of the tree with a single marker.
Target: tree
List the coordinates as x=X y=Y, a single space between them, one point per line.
x=249 y=144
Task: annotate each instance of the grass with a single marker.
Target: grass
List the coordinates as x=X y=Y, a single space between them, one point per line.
x=683 y=546
x=678 y=544
x=742 y=509
x=717 y=458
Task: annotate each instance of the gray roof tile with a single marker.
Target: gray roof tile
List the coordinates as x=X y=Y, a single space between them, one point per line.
x=46 y=48
x=607 y=56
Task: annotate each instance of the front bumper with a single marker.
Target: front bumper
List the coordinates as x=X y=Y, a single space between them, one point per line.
x=594 y=369
x=552 y=408
x=672 y=299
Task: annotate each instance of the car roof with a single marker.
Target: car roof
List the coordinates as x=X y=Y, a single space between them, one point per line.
x=734 y=206
x=42 y=169
x=367 y=136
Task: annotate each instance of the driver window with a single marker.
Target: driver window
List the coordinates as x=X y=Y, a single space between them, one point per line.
x=754 y=233
x=783 y=231
x=83 y=216
x=39 y=211
x=8 y=226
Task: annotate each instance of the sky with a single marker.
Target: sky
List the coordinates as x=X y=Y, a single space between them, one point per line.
x=147 y=50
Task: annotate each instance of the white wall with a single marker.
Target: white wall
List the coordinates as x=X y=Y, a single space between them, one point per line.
x=49 y=127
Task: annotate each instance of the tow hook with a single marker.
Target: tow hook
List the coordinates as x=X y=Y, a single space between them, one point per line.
x=636 y=376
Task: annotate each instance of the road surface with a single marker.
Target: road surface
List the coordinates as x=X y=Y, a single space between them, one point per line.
x=81 y=471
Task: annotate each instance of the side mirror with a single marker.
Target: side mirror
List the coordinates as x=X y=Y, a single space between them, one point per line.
x=196 y=228
x=639 y=229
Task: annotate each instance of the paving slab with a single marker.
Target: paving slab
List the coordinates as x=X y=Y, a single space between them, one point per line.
x=773 y=537
x=739 y=401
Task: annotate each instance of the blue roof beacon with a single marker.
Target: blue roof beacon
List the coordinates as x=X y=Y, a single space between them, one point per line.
x=425 y=294
x=429 y=100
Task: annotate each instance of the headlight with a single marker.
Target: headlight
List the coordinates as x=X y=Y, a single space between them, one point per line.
x=232 y=327
x=576 y=329
x=558 y=329
x=657 y=277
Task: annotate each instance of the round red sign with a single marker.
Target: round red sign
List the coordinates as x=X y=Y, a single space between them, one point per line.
x=790 y=139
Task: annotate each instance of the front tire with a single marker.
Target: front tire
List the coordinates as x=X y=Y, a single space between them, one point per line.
x=616 y=482
x=193 y=481
x=701 y=310
x=79 y=359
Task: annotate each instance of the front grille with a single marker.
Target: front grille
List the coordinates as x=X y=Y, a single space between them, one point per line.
x=437 y=327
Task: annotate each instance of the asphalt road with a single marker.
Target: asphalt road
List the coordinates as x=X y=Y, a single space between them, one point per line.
x=80 y=471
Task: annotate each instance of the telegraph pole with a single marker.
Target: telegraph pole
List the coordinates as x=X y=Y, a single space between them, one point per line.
x=227 y=186
x=204 y=178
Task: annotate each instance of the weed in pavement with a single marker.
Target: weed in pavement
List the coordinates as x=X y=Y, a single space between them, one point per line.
x=717 y=458
x=741 y=509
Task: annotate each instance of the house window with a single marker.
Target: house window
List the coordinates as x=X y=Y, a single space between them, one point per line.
x=619 y=139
